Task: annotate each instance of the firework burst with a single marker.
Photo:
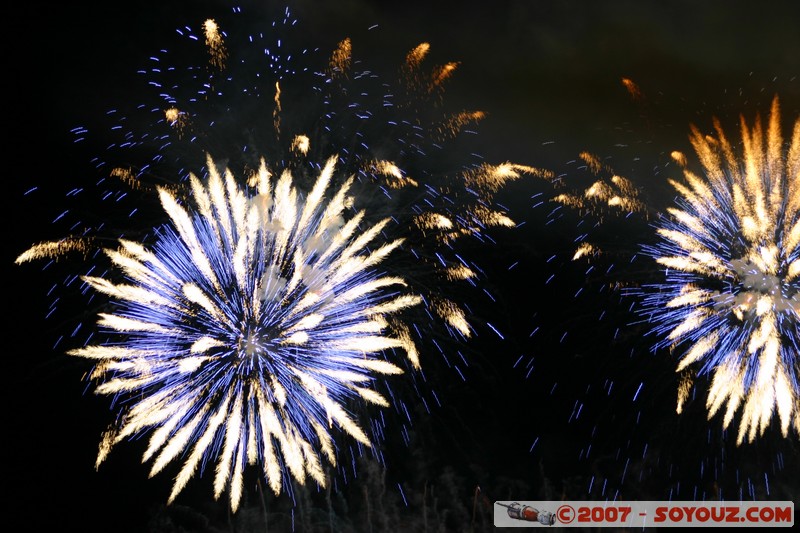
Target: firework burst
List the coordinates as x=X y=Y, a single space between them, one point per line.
x=729 y=302
x=612 y=252
x=251 y=326
x=247 y=329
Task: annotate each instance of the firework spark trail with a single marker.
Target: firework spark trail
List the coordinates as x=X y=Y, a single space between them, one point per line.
x=729 y=303
x=609 y=195
x=246 y=330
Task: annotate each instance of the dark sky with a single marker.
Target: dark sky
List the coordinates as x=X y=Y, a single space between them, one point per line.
x=548 y=73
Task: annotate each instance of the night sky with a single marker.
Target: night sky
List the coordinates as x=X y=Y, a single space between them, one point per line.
x=568 y=401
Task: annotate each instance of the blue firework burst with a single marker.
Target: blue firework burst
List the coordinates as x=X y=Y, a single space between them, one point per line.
x=243 y=335
x=246 y=329
x=730 y=301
